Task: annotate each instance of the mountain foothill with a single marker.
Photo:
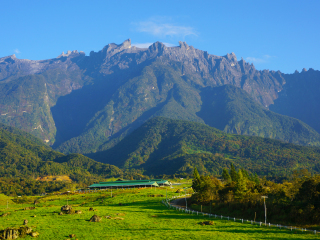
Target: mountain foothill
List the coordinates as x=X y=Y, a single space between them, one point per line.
x=163 y=110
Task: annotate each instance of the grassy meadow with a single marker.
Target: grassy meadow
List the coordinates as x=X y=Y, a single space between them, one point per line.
x=140 y=213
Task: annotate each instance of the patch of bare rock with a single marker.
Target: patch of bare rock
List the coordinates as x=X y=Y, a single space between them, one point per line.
x=14 y=233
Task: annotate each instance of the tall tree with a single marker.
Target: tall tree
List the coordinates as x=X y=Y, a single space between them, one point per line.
x=241 y=183
x=196 y=182
x=225 y=175
x=233 y=173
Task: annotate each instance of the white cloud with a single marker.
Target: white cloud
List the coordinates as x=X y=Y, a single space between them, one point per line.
x=262 y=59
x=141 y=45
x=255 y=60
x=159 y=28
x=146 y=45
x=16 y=51
x=170 y=44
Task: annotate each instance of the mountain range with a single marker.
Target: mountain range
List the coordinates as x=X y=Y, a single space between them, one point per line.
x=88 y=104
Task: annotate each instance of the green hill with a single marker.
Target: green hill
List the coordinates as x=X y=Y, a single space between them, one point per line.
x=165 y=146
x=23 y=155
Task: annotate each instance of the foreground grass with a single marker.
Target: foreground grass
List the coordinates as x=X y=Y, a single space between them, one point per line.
x=144 y=218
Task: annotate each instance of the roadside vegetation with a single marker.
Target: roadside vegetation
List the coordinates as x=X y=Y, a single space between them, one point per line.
x=239 y=194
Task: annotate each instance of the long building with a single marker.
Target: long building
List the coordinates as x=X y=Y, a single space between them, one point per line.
x=130 y=184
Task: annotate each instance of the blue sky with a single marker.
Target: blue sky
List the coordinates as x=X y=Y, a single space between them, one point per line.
x=274 y=35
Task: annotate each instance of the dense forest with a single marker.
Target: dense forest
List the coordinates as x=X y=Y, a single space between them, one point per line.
x=24 y=158
x=239 y=194
x=166 y=146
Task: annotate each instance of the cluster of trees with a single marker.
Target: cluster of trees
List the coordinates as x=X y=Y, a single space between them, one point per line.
x=28 y=186
x=239 y=194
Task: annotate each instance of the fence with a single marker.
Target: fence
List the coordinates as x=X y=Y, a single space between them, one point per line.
x=167 y=203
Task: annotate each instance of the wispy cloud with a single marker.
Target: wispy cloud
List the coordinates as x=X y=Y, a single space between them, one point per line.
x=161 y=27
x=262 y=59
x=16 y=51
x=146 y=45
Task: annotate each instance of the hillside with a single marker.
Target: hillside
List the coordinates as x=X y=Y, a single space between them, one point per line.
x=300 y=98
x=24 y=156
x=168 y=146
x=232 y=110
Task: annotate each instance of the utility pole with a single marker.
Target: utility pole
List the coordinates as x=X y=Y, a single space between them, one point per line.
x=265 y=209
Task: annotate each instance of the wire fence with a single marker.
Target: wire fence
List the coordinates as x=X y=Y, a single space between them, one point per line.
x=167 y=203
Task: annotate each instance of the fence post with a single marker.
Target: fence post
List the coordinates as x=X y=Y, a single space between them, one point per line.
x=221 y=216
x=234 y=219
x=242 y=220
x=251 y=221
x=315 y=231
x=260 y=224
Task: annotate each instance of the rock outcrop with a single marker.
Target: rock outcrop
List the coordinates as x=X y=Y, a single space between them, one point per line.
x=66 y=209
x=14 y=233
x=95 y=218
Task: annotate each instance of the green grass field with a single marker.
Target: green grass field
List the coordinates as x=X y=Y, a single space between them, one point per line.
x=144 y=218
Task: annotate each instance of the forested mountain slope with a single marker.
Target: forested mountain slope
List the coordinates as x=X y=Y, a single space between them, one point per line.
x=169 y=146
x=22 y=155
x=232 y=110
x=300 y=98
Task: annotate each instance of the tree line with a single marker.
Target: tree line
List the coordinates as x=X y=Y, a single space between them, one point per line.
x=239 y=194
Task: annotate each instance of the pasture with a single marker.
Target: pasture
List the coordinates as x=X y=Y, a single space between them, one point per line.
x=129 y=214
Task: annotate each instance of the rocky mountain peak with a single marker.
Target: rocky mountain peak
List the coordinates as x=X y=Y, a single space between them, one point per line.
x=112 y=47
x=70 y=53
x=232 y=56
x=157 y=47
x=8 y=59
x=183 y=45
x=126 y=43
